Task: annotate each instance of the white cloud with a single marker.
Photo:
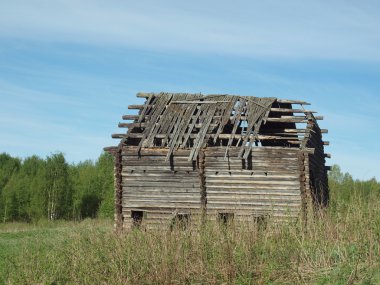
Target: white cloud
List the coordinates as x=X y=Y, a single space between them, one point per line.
x=321 y=29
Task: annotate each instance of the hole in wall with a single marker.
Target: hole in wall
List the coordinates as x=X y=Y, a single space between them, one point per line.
x=261 y=221
x=226 y=218
x=180 y=221
x=137 y=218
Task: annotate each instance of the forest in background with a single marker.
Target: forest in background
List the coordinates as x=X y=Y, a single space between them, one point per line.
x=35 y=189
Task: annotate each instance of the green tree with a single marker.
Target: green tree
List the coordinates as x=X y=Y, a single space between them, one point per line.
x=87 y=195
x=9 y=166
x=58 y=189
x=105 y=169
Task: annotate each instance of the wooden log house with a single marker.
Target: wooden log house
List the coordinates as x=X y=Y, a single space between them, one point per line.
x=187 y=157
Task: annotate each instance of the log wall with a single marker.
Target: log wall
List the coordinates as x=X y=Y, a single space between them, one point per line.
x=267 y=184
x=161 y=189
x=317 y=169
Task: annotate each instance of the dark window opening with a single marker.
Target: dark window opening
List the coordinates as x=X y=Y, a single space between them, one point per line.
x=261 y=221
x=137 y=218
x=180 y=221
x=171 y=161
x=226 y=218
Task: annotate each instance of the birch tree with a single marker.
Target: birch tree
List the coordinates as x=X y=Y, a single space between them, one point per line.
x=58 y=188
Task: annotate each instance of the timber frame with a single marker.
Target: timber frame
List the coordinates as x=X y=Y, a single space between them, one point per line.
x=218 y=156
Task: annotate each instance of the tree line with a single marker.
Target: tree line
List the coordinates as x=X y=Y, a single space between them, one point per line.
x=34 y=188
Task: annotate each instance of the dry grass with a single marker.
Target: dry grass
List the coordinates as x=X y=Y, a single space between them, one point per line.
x=342 y=246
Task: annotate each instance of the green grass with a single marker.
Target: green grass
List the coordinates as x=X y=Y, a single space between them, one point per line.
x=342 y=246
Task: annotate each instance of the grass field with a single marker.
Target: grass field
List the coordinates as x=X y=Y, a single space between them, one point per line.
x=340 y=247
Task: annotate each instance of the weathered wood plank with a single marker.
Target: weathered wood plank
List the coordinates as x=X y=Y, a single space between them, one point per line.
x=283 y=119
x=276 y=110
x=281 y=101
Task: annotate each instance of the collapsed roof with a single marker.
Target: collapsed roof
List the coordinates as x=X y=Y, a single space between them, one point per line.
x=195 y=121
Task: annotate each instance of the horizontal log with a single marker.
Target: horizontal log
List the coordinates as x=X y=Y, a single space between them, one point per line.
x=217 y=152
x=252 y=209
x=270 y=159
x=143 y=125
x=231 y=157
x=111 y=148
x=137 y=107
x=283 y=101
x=148 y=168
x=252 y=181
x=254 y=163
x=215 y=198
x=222 y=205
x=220 y=136
x=253 y=192
x=198 y=102
x=255 y=199
x=180 y=179
x=155 y=210
x=156 y=189
x=163 y=198
x=292 y=131
x=284 y=169
x=156 y=151
x=130 y=117
x=284 y=110
x=241 y=204
x=283 y=119
x=275 y=110
x=249 y=176
x=297 y=102
x=173 y=205
x=168 y=174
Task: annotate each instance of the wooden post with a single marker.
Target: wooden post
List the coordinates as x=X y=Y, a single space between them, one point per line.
x=304 y=196
x=118 y=191
x=202 y=181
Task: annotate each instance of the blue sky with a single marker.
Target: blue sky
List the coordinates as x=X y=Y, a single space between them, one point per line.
x=69 y=69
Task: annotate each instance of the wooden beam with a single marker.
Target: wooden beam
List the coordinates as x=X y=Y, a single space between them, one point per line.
x=110 y=148
x=143 y=125
x=283 y=110
x=135 y=107
x=130 y=117
x=221 y=136
x=198 y=102
x=281 y=101
x=284 y=119
x=300 y=117
x=275 y=110
x=144 y=95
x=327 y=155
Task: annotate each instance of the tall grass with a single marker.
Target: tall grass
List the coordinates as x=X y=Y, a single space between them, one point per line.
x=340 y=246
